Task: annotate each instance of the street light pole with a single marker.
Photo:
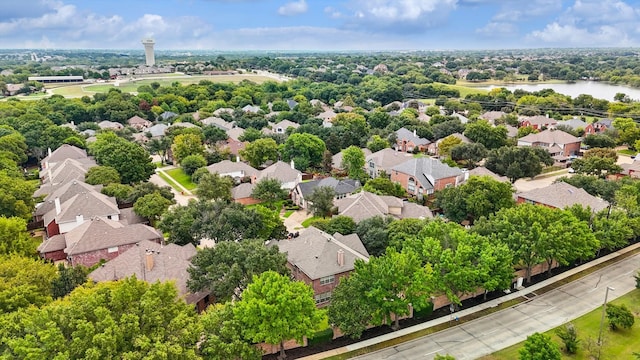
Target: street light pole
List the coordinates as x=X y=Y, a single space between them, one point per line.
x=604 y=310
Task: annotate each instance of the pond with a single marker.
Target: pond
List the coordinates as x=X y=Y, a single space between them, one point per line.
x=600 y=90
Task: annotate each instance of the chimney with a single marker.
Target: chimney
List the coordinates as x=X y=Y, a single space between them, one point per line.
x=79 y=219
x=237 y=158
x=58 y=207
x=293 y=164
x=340 y=257
x=46 y=165
x=415 y=133
x=49 y=151
x=148 y=257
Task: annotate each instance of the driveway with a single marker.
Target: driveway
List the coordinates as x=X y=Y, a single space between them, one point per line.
x=293 y=223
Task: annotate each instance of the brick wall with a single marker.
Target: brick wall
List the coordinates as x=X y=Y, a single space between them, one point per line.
x=91 y=258
x=55 y=255
x=571 y=149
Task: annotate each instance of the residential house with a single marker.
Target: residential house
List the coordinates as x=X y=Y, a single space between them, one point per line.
x=365 y=205
x=602 y=125
x=139 y=123
x=320 y=260
x=242 y=194
x=153 y=262
x=631 y=170
x=577 y=125
x=382 y=161
x=62 y=153
x=184 y=124
x=336 y=160
x=80 y=207
x=219 y=122
x=492 y=116
x=94 y=240
x=409 y=141
x=483 y=171
x=63 y=193
x=157 y=131
x=66 y=170
x=292 y=104
x=423 y=176
x=342 y=188
x=327 y=115
x=110 y=125
x=235 y=133
x=167 y=115
x=287 y=174
x=561 y=195
x=251 y=109
x=512 y=131
x=463 y=119
x=280 y=128
x=560 y=145
x=236 y=170
x=538 y=122
x=13 y=89
x=234 y=146
x=220 y=111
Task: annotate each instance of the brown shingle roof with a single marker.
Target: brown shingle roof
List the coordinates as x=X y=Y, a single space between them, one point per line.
x=89 y=204
x=550 y=137
x=101 y=233
x=64 y=193
x=65 y=151
x=561 y=195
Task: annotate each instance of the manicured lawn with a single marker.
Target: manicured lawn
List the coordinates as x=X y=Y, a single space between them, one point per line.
x=73 y=91
x=179 y=176
x=288 y=213
x=169 y=181
x=308 y=221
x=620 y=344
x=627 y=152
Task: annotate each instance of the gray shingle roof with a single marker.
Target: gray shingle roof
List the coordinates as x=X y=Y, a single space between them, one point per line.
x=242 y=191
x=365 y=205
x=387 y=158
x=157 y=130
x=404 y=134
x=64 y=193
x=67 y=170
x=281 y=171
x=65 y=151
x=89 y=204
x=561 y=195
x=315 y=252
x=344 y=186
x=170 y=263
x=427 y=170
x=483 y=171
x=574 y=123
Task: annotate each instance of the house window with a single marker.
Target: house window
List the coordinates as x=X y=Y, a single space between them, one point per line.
x=327 y=280
x=411 y=185
x=371 y=164
x=112 y=249
x=323 y=298
x=448 y=185
x=529 y=201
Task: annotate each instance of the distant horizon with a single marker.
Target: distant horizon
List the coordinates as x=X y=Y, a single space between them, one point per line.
x=330 y=25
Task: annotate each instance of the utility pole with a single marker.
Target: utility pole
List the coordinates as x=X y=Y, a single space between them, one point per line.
x=604 y=310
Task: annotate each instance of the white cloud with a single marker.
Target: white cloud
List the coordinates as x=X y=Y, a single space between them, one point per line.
x=333 y=13
x=399 y=15
x=293 y=8
x=496 y=28
x=570 y=35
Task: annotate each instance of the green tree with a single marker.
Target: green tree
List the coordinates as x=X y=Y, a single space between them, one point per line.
x=383 y=186
x=596 y=165
x=228 y=268
x=356 y=129
x=538 y=347
x=14 y=239
x=569 y=336
x=392 y=282
x=374 y=234
x=518 y=162
x=471 y=154
x=305 y=149
x=13 y=144
x=15 y=195
x=117 y=319
x=260 y=151
x=178 y=223
x=619 y=317
x=214 y=187
x=273 y=296
x=185 y=145
x=628 y=131
x=191 y=163
x=272 y=226
x=102 y=175
x=151 y=206
x=353 y=162
x=131 y=160
x=377 y=143
x=24 y=282
x=251 y=134
x=446 y=144
x=222 y=336
x=349 y=310
x=142 y=189
x=321 y=201
x=489 y=136
x=599 y=141
x=212 y=134
x=68 y=279
x=119 y=191
x=479 y=196
x=269 y=190
x=159 y=146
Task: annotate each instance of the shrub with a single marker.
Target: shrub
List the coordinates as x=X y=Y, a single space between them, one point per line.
x=321 y=337
x=195 y=177
x=192 y=163
x=569 y=336
x=637 y=277
x=424 y=312
x=619 y=316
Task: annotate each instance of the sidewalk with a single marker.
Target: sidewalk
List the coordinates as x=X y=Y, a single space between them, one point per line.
x=163 y=172
x=488 y=305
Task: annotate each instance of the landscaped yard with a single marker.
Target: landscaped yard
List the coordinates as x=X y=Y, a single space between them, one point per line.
x=183 y=179
x=619 y=344
x=288 y=213
x=308 y=221
x=169 y=181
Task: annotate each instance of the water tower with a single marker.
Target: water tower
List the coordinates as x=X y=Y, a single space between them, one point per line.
x=148 y=51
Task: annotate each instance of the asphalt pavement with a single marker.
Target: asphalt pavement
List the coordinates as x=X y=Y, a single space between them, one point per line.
x=502 y=329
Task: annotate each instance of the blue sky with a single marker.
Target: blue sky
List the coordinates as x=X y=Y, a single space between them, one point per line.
x=319 y=24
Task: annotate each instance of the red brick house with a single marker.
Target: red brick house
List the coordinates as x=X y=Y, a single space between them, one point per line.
x=424 y=176
x=320 y=260
x=408 y=141
x=557 y=142
x=96 y=239
x=538 y=122
x=151 y=262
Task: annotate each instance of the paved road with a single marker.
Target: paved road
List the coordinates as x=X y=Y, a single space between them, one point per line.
x=497 y=331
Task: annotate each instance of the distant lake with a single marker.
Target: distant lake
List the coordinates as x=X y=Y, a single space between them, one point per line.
x=600 y=90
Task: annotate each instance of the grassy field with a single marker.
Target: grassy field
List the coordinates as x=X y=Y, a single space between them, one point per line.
x=288 y=213
x=620 y=344
x=183 y=179
x=78 y=90
x=308 y=221
x=169 y=181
